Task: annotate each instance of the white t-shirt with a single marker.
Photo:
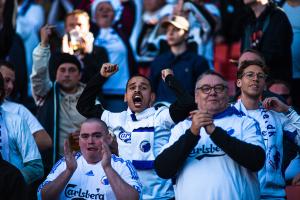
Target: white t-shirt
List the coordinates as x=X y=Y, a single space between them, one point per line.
x=22 y=147
x=140 y=138
x=24 y=113
x=89 y=180
x=209 y=173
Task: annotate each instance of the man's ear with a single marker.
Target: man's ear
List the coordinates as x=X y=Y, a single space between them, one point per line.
x=125 y=97
x=238 y=83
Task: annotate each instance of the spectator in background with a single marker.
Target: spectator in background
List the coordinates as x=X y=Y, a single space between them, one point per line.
x=7 y=26
x=79 y=41
x=106 y=13
x=28 y=27
x=291 y=158
x=186 y=64
x=17 y=144
x=292 y=10
x=216 y=154
x=268 y=30
x=142 y=129
x=204 y=19
x=107 y=176
x=41 y=137
x=56 y=100
x=275 y=120
x=146 y=41
x=281 y=88
x=12 y=184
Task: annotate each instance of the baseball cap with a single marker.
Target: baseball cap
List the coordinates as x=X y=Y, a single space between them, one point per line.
x=177 y=21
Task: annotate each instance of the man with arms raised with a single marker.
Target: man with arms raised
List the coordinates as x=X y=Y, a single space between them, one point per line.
x=141 y=130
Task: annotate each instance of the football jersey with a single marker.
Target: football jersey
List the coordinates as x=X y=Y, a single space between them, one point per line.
x=209 y=173
x=89 y=180
x=273 y=125
x=140 y=137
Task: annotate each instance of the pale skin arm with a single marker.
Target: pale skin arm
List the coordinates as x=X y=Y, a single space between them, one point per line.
x=53 y=189
x=273 y=103
x=121 y=189
x=42 y=140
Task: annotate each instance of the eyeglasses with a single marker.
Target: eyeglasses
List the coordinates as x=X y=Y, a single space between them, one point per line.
x=252 y=75
x=206 y=89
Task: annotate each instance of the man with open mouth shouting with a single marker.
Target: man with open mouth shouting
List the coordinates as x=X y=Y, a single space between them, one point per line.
x=141 y=130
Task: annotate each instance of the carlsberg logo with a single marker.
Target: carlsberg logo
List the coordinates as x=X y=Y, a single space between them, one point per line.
x=71 y=191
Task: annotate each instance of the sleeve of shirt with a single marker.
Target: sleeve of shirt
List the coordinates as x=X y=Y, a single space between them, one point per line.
x=175 y=153
x=291 y=126
x=31 y=158
x=40 y=79
x=86 y=104
x=128 y=173
x=33 y=124
x=56 y=170
x=247 y=151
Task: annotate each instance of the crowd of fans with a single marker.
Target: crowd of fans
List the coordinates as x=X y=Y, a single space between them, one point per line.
x=132 y=99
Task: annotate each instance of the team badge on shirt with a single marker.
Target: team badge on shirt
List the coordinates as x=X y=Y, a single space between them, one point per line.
x=145 y=146
x=122 y=134
x=104 y=180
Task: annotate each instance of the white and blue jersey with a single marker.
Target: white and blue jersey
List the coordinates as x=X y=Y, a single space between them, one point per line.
x=273 y=125
x=208 y=172
x=89 y=180
x=140 y=138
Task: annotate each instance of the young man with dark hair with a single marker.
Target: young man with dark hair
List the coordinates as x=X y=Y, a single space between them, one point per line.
x=274 y=118
x=141 y=130
x=186 y=64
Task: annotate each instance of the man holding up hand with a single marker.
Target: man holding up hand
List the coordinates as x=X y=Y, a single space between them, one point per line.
x=94 y=173
x=216 y=153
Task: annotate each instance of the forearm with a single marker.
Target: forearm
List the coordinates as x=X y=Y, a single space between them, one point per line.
x=184 y=103
x=248 y=155
x=32 y=170
x=121 y=189
x=53 y=189
x=171 y=159
x=42 y=140
x=86 y=102
x=40 y=79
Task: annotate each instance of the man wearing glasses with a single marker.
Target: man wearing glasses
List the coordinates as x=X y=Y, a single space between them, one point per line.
x=275 y=119
x=93 y=173
x=216 y=153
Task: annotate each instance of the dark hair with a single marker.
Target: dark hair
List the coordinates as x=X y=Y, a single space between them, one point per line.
x=2 y=90
x=7 y=64
x=210 y=72
x=247 y=63
x=66 y=58
x=140 y=75
x=278 y=81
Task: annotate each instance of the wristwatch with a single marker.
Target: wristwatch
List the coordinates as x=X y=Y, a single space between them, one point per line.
x=289 y=111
